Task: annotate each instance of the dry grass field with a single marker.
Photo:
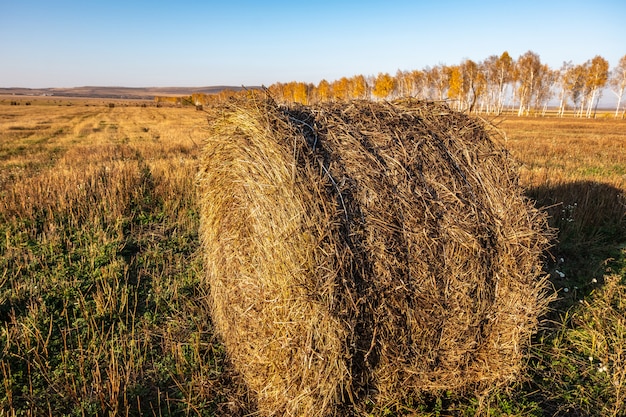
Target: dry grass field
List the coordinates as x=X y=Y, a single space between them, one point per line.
x=102 y=310
x=576 y=170
x=100 y=306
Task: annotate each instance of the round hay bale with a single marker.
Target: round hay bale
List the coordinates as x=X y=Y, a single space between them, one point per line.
x=366 y=251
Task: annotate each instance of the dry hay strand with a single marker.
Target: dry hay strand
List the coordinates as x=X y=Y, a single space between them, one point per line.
x=366 y=251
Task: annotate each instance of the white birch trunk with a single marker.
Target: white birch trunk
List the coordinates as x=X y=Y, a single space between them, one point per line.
x=619 y=101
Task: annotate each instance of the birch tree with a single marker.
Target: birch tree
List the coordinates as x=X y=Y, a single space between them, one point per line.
x=358 y=87
x=498 y=74
x=384 y=85
x=418 y=84
x=617 y=81
x=455 y=86
x=490 y=68
x=403 y=83
x=528 y=71
x=340 y=89
x=301 y=93
x=545 y=88
x=576 y=87
x=437 y=81
x=561 y=82
x=473 y=85
x=278 y=91
x=323 y=91
x=595 y=80
x=504 y=67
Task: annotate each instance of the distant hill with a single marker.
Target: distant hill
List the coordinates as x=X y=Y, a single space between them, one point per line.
x=136 y=93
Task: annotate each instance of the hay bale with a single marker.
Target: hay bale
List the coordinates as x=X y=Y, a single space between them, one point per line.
x=366 y=251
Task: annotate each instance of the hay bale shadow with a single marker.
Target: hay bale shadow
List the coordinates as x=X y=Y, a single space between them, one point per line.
x=590 y=220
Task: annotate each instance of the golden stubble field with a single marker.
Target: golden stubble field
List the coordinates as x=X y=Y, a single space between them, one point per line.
x=567 y=149
x=102 y=310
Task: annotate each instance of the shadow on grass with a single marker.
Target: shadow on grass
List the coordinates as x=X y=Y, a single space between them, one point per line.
x=590 y=221
x=571 y=368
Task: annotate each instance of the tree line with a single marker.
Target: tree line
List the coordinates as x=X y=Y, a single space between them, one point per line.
x=497 y=84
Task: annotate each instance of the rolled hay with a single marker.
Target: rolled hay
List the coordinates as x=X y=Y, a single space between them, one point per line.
x=366 y=252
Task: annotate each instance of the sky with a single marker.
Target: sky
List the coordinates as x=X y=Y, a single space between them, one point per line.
x=239 y=42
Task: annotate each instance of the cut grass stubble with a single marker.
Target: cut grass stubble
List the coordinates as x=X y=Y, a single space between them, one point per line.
x=102 y=309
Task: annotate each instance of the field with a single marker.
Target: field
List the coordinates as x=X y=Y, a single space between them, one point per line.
x=102 y=310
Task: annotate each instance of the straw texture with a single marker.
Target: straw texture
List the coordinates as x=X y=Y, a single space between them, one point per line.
x=366 y=251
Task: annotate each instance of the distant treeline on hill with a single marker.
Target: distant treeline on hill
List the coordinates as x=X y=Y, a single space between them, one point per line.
x=124 y=93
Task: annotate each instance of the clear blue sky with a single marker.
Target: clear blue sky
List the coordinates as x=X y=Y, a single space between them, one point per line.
x=236 y=42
